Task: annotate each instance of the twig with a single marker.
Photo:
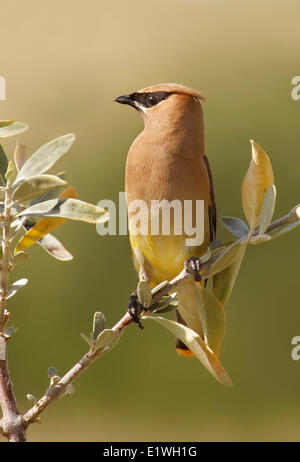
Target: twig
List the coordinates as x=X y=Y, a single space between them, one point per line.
x=58 y=389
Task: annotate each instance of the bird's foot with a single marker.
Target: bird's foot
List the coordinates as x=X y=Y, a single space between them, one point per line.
x=192 y=265
x=135 y=308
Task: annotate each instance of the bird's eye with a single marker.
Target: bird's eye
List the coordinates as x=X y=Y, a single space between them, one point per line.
x=152 y=100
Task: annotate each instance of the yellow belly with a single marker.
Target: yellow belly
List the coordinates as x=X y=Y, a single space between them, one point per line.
x=163 y=256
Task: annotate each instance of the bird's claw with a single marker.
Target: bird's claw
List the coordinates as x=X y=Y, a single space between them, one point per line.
x=193 y=265
x=135 y=308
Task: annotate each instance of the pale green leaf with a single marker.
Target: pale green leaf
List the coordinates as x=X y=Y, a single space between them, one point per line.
x=51 y=193
x=236 y=226
x=260 y=238
x=144 y=293
x=55 y=248
x=46 y=156
x=215 y=244
x=5 y=123
x=14 y=129
x=72 y=209
x=19 y=156
x=9 y=332
x=2 y=348
x=267 y=209
x=3 y=166
x=258 y=179
x=223 y=281
x=35 y=186
x=229 y=255
x=204 y=258
x=86 y=339
x=285 y=229
x=10 y=171
x=20 y=258
x=99 y=324
x=16 y=286
x=52 y=372
x=212 y=318
x=194 y=342
x=166 y=308
x=107 y=339
x=164 y=304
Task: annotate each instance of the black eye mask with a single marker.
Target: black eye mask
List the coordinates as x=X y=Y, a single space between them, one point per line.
x=150 y=99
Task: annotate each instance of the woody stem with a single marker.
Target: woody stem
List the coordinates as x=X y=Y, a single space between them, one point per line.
x=11 y=424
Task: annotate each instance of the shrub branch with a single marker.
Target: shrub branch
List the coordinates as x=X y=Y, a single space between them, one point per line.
x=12 y=424
x=59 y=388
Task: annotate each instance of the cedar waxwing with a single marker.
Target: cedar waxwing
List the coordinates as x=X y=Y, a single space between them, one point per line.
x=167 y=161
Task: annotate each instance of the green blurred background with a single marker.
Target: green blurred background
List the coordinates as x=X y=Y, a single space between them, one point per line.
x=64 y=62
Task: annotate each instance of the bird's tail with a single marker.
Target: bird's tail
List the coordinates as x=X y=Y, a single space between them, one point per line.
x=188 y=313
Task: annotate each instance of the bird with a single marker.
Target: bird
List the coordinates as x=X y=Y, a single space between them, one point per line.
x=167 y=162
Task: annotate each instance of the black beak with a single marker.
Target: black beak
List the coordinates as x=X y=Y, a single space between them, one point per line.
x=125 y=99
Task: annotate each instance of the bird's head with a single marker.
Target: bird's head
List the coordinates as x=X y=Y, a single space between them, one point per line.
x=161 y=100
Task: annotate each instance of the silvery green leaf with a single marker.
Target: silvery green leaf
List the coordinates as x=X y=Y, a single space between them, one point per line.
x=2 y=349
x=159 y=286
x=46 y=156
x=10 y=171
x=107 y=339
x=215 y=244
x=99 y=324
x=31 y=398
x=19 y=156
x=15 y=287
x=5 y=123
x=52 y=372
x=72 y=209
x=236 y=226
x=223 y=281
x=20 y=258
x=206 y=256
x=3 y=166
x=9 y=332
x=144 y=293
x=285 y=229
x=257 y=180
x=86 y=339
x=212 y=319
x=14 y=129
x=267 y=209
x=55 y=248
x=166 y=308
x=163 y=303
x=230 y=254
x=35 y=186
x=194 y=342
x=51 y=193
x=260 y=238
